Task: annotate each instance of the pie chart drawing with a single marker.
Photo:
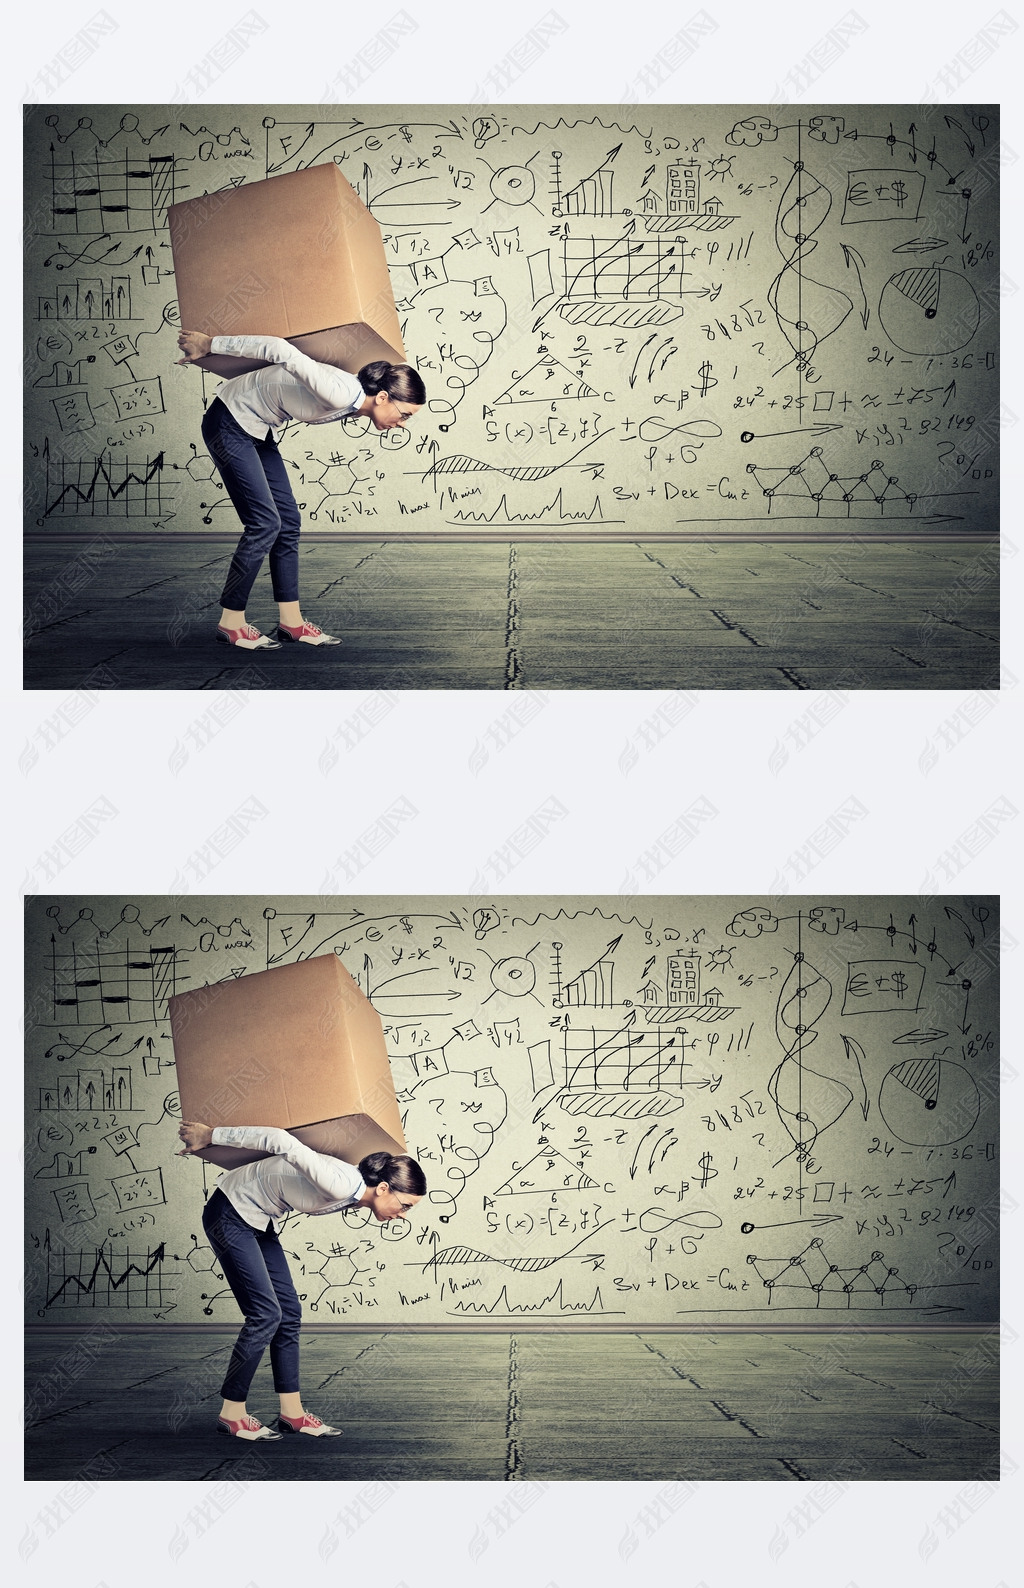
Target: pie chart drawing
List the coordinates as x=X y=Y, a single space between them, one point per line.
x=929 y=310
x=929 y=1102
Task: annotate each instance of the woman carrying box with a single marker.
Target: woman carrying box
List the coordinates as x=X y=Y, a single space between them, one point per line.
x=241 y=429
x=240 y=1221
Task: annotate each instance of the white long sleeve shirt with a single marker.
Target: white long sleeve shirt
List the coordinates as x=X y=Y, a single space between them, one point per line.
x=295 y=1179
x=291 y=386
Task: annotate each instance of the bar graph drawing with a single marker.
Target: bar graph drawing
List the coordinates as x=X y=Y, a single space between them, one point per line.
x=89 y=1091
x=89 y=299
x=641 y=1091
x=593 y=988
x=593 y=195
x=746 y=259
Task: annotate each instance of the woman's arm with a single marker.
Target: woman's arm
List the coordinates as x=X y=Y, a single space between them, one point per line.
x=334 y=386
x=342 y=1181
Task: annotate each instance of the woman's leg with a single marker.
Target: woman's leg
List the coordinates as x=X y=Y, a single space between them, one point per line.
x=240 y=462
x=284 y=1347
x=284 y=553
x=236 y=1246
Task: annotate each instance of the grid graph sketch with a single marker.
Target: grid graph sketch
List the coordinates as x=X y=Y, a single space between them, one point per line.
x=623 y=1061
x=94 y=983
x=99 y=193
x=632 y=269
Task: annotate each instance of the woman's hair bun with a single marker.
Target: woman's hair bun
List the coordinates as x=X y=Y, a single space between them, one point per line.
x=374 y=377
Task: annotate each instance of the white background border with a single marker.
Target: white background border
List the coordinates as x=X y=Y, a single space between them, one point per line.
x=574 y=750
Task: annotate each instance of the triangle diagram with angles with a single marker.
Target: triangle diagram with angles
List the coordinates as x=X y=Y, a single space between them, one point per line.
x=547 y=381
x=548 y=1171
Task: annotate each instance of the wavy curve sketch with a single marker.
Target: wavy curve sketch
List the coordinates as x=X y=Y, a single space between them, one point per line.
x=807 y=310
x=459 y=463
x=521 y=1265
x=807 y=1100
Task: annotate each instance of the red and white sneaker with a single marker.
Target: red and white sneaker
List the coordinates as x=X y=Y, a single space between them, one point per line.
x=306 y=634
x=247 y=1427
x=248 y=638
x=306 y=1424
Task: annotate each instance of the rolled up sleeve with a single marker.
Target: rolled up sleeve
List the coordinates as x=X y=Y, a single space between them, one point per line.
x=335 y=387
x=341 y=1181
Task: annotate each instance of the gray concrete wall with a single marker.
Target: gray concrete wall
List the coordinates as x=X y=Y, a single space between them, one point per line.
x=629 y=319
x=629 y=1109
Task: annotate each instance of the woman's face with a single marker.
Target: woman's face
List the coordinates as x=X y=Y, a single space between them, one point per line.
x=386 y=413
x=388 y=1204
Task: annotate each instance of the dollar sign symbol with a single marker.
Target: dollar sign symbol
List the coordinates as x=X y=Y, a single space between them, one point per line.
x=707 y=1173
x=899 y=193
x=899 y=983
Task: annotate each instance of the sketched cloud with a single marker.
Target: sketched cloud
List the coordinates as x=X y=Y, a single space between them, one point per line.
x=751 y=923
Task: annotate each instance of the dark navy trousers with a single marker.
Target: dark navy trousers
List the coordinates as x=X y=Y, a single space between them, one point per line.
x=256 y=1269
x=255 y=479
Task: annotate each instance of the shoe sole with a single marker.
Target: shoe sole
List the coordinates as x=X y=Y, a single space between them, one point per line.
x=250 y=1438
x=301 y=1433
x=289 y=639
x=271 y=645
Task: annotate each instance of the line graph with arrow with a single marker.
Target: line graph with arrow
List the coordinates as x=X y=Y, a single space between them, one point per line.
x=123 y=1280
x=102 y=487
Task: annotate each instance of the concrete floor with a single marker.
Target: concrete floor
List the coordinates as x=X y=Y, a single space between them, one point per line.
x=845 y=614
x=789 y=1407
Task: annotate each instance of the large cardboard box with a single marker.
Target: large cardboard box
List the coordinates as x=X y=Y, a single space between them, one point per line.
x=298 y=256
x=300 y=1047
